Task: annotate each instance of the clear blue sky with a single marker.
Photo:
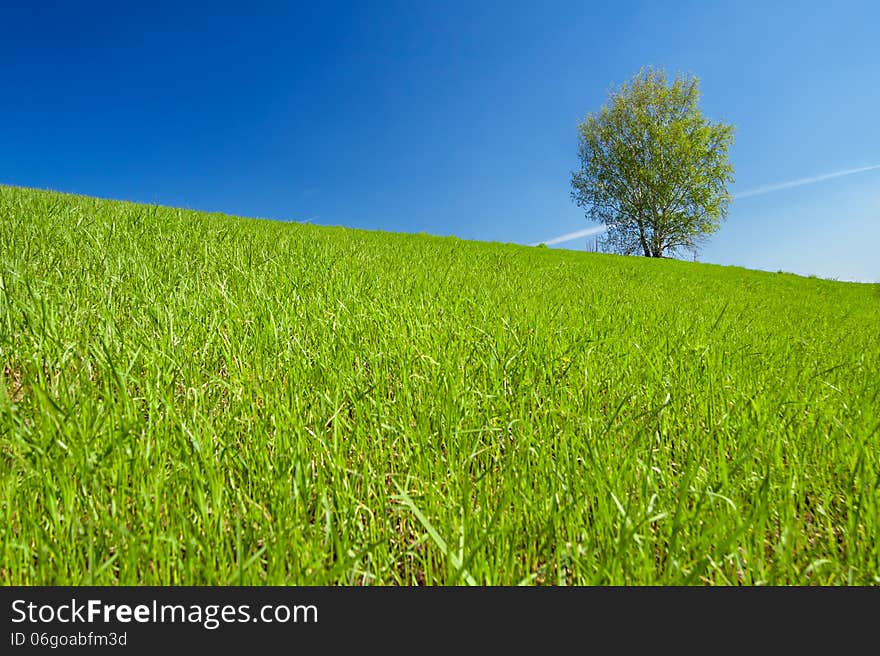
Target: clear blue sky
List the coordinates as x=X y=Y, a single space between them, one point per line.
x=441 y=117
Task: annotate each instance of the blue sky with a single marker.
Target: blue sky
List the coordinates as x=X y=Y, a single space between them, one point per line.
x=440 y=117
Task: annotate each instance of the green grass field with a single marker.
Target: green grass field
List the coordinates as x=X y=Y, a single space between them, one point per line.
x=192 y=398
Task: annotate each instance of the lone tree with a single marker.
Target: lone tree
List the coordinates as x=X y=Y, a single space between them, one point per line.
x=654 y=170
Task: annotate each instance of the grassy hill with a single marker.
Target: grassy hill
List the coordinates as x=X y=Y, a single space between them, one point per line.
x=191 y=398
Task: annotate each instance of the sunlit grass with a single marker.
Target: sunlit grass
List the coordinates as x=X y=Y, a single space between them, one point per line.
x=192 y=398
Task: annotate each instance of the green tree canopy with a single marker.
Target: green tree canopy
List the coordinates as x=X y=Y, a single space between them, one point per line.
x=654 y=170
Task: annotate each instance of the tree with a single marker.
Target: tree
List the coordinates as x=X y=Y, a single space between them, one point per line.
x=654 y=170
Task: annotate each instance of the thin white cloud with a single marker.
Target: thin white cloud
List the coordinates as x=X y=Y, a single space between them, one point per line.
x=571 y=236
x=803 y=181
x=758 y=191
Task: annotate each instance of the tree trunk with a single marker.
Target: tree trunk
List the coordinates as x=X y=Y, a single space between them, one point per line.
x=644 y=239
x=657 y=242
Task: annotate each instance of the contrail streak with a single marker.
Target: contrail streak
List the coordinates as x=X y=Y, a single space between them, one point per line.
x=803 y=181
x=758 y=191
x=571 y=236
